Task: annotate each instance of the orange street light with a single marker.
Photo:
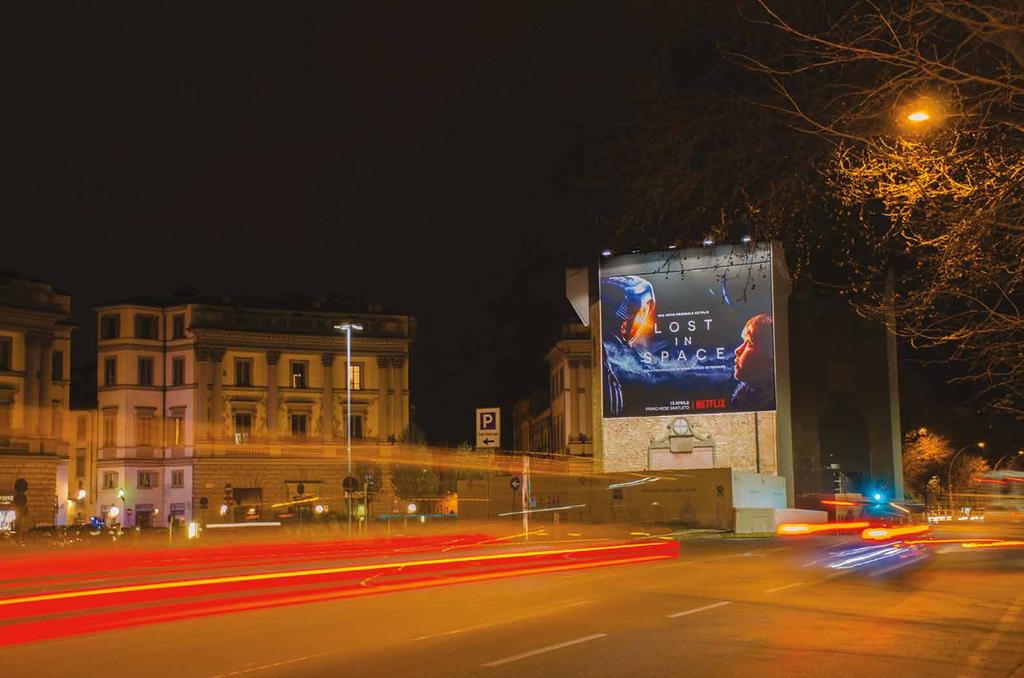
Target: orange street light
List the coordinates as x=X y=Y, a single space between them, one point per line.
x=919 y=116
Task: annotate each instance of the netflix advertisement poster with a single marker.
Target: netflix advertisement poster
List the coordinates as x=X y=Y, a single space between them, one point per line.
x=688 y=332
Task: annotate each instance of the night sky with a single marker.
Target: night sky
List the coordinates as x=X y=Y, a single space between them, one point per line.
x=424 y=156
x=429 y=157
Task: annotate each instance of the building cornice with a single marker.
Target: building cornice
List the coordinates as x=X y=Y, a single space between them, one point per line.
x=295 y=343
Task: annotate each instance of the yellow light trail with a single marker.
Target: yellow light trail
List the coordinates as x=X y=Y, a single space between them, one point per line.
x=267 y=576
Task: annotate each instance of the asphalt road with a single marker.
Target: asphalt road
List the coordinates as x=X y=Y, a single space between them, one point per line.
x=725 y=607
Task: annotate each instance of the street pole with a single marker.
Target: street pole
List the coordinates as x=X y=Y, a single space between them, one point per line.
x=524 y=497
x=347 y=329
x=1004 y=458
x=366 y=505
x=348 y=416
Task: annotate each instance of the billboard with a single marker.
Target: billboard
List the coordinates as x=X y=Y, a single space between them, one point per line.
x=688 y=332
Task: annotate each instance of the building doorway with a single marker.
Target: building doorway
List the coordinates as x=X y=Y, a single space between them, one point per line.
x=144 y=515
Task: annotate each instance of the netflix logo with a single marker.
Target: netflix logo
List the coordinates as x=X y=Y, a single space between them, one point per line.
x=715 y=404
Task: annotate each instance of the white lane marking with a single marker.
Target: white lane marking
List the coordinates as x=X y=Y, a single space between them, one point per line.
x=744 y=554
x=997 y=634
x=543 y=650
x=264 y=667
x=784 y=587
x=508 y=620
x=698 y=609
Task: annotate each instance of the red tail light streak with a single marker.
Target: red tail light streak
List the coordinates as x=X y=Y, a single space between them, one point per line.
x=58 y=613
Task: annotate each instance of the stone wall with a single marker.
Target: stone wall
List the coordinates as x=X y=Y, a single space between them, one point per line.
x=41 y=473
x=277 y=479
x=720 y=441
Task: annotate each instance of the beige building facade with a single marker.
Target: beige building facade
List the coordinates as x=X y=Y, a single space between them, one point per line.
x=196 y=398
x=569 y=367
x=562 y=420
x=35 y=355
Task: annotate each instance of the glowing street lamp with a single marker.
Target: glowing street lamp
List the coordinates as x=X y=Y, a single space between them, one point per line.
x=919 y=116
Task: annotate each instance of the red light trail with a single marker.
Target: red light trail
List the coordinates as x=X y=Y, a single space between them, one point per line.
x=59 y=613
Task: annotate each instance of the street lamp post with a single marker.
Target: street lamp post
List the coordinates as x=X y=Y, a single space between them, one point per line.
x=949 y=473
x=348 y=328
x=1005 y=457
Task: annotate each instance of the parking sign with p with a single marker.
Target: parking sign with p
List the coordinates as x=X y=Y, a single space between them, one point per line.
x=488 y=427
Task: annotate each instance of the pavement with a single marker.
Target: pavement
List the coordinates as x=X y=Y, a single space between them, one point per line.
x=723 y=607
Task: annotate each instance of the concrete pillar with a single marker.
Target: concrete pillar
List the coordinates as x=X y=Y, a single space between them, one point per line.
x=892 y=365
x=586 y=415
x=217 y=410
x=327 y=397
x=45 y=419
x=384 y=396
x=201 y=418
x=398 y=402
x=273 y=357
x=572 y=405
x=31 y=399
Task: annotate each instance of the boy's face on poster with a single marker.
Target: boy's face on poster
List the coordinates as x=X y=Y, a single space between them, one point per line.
x=754 y=355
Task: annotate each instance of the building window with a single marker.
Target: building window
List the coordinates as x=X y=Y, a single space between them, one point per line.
x=57 y=366
x=299 y=424
x=299 y=371
x=178 y=326
x=177 y=371
x=110 y=327
x=243 y=426
x=80 y=464
x=243 y=371
x=178 y=477
x=81 y=428
x=56 y=420
x=144 y=430
x=110 y=372
x=145 y=326
x=148 y=479
x=145 y=371
x=109 y=480
x=6 y=410
x=5 y=353
x=355 y=376
x=110 y=429
x=176 y=431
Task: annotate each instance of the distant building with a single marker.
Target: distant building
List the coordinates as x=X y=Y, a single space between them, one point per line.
x=561 y=420
x=35 y=354
x=238 y=405
x=569 y=367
